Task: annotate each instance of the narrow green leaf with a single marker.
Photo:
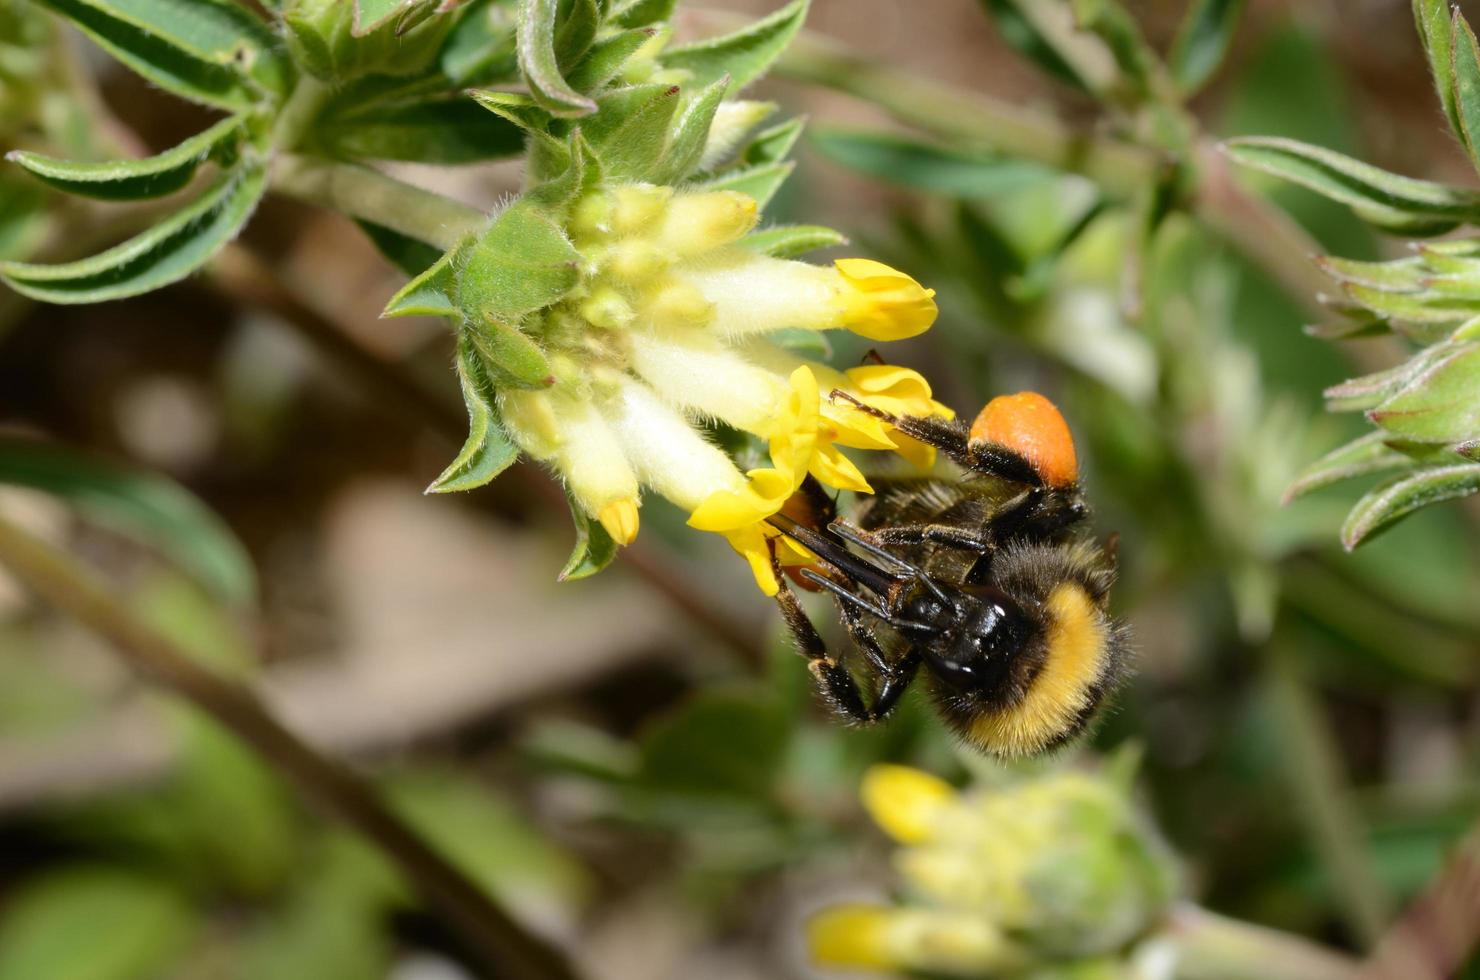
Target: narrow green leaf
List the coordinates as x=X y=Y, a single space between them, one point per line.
x=520 y=110
x=640 y=13
x=921 y=166
x=148 y=508
x=132 y=180
x=1400 y=276
x=431 y=293
x=1416 y=308
x=690 y=134
x=196 y=49
x=788 y=241
x=1437 y=33
x=1347 y=328
x=1364 y=455
x=1398 y=498
x=371 y=15
x=480 y=49
x=1357 y=394
x=630 y=133
x=1465 y=62
x=761 y=182
x=732 y=121
x=440 y=130
x=166 y=253
x=575 y=31
x=521 y=263
x=1441 y=404
x=1202 y=42
x=537 y=60
x=744 y=55
x=1021 y=24
x=513 y=359
x=1382 y=198
x=594 y=548
x=772 y=144
x=605 y=59
x=94 y=923
x=488 y=451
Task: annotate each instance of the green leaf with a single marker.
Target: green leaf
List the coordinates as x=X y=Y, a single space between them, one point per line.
x=143 y=506
x=431 y=293
x=761 y=182
x=209 y=51
x=1381 y=198
x=538 y=61
x=1465 y=61
x=438 y=130
x=920 y=166
x=605 y=59
x=521 y=263
x=1398 y=498
x=1402 y=275
x=772 y=144
x=690 y=134
x=1370 y=389
x=744 y=55
x=1437 y=33
x=487 y=451
x=480 y=49
x=640 y=13
x=94 y=924
x=1439 y=405
x=410 y=255
x=788 y=241
x=717 y=744
x=166 y=253
x=594 y=548
x=511 y=357
x=630 y=133
x=132 y=180
x=576 y=31
x=1024 y=25
x=370 y=15
x=1202 y=42
x=1364 y=455
x=1428 y=307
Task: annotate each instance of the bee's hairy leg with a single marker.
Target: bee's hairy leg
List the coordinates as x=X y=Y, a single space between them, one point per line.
x=833 y=679
x=896 y=676
x=942 y=534
x=948 y=437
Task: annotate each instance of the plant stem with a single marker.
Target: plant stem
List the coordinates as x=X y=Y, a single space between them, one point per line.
x=487 y=928
x=299 y=112
x=1265 y=235
x=1439 y=931
x=1211 y=947
x=1323 y=798
x=361 y=192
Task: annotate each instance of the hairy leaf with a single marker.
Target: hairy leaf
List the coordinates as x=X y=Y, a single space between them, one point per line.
x=605 y=59
x=410 y=255
x=439 y=130
x=594 y=548
x=1436 y=31
x=132 y=180
x=744 y=55
x=521 y=263
x=690 y=134
x=166 y=253
x=541 y=66
x=1465 y=62
x=640 y=13
x=1439 y=405
x=1398 y=498
x=787 y=241
x=513 y=360
x=760 y=182
x=433 y=292
x=1364 y=455
x=630 y=133
x=488 y=451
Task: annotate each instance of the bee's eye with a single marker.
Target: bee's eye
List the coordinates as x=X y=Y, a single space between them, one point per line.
x=982 y=646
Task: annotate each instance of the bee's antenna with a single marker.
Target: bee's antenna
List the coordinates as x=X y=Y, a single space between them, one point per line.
x=835 y=554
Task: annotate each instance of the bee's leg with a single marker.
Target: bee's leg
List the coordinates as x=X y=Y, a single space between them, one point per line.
x=942 y=534
x=896 y=677
x=948 y=437
x=833 y=679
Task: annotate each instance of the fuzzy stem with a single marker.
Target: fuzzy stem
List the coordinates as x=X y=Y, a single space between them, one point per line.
x=1211 y=947
x=498 y=939
x=299 y=112
x=361 y=192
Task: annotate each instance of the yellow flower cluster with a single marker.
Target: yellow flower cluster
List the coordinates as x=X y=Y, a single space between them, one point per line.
x=1051 y=870
x=672 y=326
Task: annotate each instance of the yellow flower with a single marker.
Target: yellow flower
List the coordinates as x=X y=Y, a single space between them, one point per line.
x=668 y=330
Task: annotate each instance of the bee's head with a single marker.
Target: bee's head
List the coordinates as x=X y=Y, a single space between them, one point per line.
x=1029 y=656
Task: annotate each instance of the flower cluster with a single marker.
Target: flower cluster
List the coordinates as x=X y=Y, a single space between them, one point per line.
x=673 y=324
x=1052 y=872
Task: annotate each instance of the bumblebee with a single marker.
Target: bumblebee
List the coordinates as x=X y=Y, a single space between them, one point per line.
x=987 y=587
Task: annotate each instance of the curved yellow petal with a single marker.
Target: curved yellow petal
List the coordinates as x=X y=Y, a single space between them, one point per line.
x=882 y=303
x=853 y=935
x=834 y=469
x=620 y=520
x=906 y=803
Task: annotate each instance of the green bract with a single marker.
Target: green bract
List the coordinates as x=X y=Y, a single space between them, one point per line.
x=1427 y=411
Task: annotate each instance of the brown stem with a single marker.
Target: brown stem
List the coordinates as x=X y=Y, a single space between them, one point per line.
x=1434 y=937
x=487 y=928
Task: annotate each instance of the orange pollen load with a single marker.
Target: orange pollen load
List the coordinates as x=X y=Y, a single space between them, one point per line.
x=1030 y=425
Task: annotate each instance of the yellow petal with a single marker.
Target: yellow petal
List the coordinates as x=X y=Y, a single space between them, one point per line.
x=906 y=803
x=853 y=935
x=750 y=542
x=620 y=520
x=882 y=303
x=834 y=469
x=916 y=453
